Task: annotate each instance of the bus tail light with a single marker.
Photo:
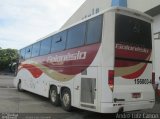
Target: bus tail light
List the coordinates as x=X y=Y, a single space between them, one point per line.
x=153 y=78
x=111 y=79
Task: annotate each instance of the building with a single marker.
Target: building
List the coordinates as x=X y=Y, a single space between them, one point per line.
x=91 y=7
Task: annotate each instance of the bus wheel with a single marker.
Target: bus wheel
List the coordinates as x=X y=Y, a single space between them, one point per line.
x=19 y=86
x=66 y=99
x=54 y=97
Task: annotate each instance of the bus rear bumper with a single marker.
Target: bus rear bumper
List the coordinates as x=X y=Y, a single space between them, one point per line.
x=127 y=106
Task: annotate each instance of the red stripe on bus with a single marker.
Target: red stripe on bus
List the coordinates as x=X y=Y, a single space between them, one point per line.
x=121 y=63
x=131 y=55
x=136 y=74
x=36 y=72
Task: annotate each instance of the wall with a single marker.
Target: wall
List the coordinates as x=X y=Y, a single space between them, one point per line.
x=89 y=7
x=143 y=5
x=156 y=24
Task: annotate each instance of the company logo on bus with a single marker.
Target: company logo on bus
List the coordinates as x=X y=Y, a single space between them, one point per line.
x=68 y=57
x=132 y=48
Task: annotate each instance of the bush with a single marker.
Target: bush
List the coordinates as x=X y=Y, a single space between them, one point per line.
x=7 y=56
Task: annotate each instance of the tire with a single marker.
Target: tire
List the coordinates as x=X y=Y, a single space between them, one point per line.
x=66 y=100
x=54 y=96
x=19 y=86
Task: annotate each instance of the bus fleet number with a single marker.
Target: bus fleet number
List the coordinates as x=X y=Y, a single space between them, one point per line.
x=143 y=81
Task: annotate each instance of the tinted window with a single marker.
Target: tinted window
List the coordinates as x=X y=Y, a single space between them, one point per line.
x=94 y=30
x=28 y=52
x=35 y=49
x=22 y=54
x=76 y=36
x=59 y=42
x=132 y=31
x=45 y=46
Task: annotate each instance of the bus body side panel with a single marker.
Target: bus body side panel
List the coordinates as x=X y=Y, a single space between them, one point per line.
x=38 y=85
x=87 y=84
x=107 y=59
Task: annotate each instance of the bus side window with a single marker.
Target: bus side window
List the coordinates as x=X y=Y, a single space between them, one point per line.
x=35 y=49
x=22 y=53
x=28 y=52
x=45 y=46
x=94 y=30
x=59 y=42
x=76 y=36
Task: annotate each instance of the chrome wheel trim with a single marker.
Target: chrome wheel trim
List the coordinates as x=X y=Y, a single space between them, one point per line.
x=53 y=95
x=66 y=99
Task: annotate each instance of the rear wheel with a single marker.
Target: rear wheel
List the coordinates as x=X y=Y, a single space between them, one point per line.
x=54 y=97
x=66 y=100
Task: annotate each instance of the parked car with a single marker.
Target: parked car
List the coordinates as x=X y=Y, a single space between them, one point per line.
x=13 y=67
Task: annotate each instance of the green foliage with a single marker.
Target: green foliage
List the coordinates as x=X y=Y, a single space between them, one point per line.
x=7 y=56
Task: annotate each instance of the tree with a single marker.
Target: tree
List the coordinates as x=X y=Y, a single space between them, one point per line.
x=7 y=56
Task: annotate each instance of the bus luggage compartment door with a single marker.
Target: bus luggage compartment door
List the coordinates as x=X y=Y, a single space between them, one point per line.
x=89 y=90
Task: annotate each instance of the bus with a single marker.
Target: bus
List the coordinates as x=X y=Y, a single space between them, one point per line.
x=101 y=64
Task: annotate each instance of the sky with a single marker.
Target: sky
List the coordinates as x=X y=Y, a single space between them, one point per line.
x=23 y=22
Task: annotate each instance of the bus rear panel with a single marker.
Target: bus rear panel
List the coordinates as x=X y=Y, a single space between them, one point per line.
x=130 y=73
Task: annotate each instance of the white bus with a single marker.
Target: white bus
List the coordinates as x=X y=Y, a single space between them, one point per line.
x=101 y=64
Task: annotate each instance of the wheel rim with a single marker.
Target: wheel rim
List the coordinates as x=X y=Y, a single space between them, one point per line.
x=53 y=95
x=66 y=99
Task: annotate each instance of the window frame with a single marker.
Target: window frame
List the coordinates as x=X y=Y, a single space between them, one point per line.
x=38 y=51
x=24 y=53
x=85 y=23
x=50 y=38
x=87 y=29
x=30 y=46
x=60 y=35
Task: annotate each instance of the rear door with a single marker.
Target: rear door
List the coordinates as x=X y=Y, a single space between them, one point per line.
x=133 y=60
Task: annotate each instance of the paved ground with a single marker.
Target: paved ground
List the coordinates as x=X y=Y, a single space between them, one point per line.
x=12 y=101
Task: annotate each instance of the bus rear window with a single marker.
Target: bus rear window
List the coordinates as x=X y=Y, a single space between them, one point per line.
x=132 y=31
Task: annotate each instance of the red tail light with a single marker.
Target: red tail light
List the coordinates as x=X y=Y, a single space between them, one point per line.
x=153 y=78
x=111 y=79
